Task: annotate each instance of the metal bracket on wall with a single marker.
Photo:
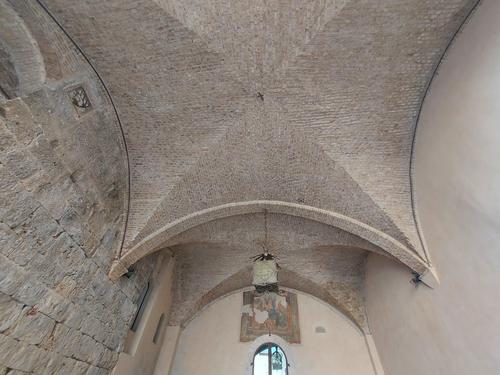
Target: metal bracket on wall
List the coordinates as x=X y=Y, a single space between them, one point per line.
x=417 y=280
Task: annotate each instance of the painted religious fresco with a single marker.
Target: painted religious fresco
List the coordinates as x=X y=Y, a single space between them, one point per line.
x=275 y=313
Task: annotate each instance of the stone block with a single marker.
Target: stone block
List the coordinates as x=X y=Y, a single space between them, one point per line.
x=41 y=150
x=31 y=291
x=96 y=350
x=33 y=327
x=129 y=288
x=7 y=139
x=99 y=286
x=19 y=208
x=65 y=286
x=108 y=359
x=16 y=372
x=93 y=370
x=87 y=271
x=80 y=367
x=20 y=122
x=8 y=185
x=22 y=254
x=54 y=305
x=64 y=340
x=72 y=343
x=103 y=255
x=55 y=364
x=92 y=327
x=112 y=340
x=12 y=277
x=71 y=221
x=88 y=349
x=39 y=230
x=76 y=315
x=46 y=269
x=68 y=256
x=128 y=310
x=20 y=356
x=64 y=366
x=46 y=188
x=9 y=241
x=10 y=310
x=21 y=164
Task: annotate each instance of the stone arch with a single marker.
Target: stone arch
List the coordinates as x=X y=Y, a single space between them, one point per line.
x=156 y=240
x=22 y=67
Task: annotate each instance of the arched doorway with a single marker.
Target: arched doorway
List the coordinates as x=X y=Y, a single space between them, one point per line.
x=269 y=359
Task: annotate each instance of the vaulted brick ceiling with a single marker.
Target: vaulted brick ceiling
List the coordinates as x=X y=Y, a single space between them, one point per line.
x=312 y=103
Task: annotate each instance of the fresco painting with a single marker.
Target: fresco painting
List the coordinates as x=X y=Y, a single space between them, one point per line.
x=270 y=313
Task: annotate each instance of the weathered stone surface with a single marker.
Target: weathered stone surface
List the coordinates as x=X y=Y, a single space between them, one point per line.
x=108 y=359
x=80 y=367
x=54 y=305
x=31 y=291
x=61 y=365
x=75 y=316
x=25 y=205
x=20 y=356
x=16 y=372
x=65 y=286
x=10 y=310
x=63 y=195
x=11 y=276
x=93 y=328
x=96 y=371
x=72 y=343
x=13 y=247
x=33 y=326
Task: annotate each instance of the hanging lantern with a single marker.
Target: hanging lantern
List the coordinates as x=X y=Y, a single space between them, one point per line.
x=265 y=273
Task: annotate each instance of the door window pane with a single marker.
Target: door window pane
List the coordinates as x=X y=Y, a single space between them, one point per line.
x=270 y=359
x=261 y=362
x=278 y=361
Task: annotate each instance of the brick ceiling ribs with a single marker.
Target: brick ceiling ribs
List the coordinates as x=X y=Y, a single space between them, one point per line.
x=302 y=109
x=322 y=261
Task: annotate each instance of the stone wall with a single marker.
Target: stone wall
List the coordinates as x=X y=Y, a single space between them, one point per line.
x=63 y=197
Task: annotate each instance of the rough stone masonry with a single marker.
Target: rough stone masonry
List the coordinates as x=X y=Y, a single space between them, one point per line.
x=63 y=192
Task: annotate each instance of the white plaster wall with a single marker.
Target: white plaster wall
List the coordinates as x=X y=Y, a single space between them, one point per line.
x=454 y=329
x=143 y=353
x=210 y=344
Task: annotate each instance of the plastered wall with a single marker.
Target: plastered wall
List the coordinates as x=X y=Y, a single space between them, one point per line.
x=210 y=343
x=142 y=352
x=454 y=329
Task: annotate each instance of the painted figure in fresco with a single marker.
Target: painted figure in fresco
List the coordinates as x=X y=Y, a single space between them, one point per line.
x=270 y=313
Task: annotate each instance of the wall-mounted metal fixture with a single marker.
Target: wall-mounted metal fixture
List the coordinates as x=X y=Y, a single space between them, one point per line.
x=129 y=273
x=417 y=280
